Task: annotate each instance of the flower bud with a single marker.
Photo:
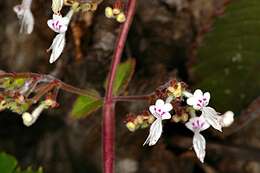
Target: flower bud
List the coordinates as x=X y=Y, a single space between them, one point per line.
x=109 y=12
x=27 y=119
x=57 y=6
x=116 y=11
x=121 y=17
x=227 y=119
x=131 y=126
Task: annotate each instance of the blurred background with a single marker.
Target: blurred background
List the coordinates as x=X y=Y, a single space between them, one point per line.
x=206 y=43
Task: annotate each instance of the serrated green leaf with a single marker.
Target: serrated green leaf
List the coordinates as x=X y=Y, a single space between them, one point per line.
x=7 y=163
x=85 y=105
x=229 y=57
x=124 y=74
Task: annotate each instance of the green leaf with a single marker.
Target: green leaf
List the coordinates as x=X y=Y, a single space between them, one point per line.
x=85 y=105
x=229 y=58
x=7 y=163
x=124 y=74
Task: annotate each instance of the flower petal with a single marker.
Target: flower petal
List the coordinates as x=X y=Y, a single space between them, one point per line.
x=159 y=103
x=227 y=119
x=198 y=93
x=199 y=145
x=167 y=107
x=154 y=133
x=151 y=109
x=57 y=47
x=166 y=116
x=18 y=9
x=197 y=124
x=207 y=96
x=191 y=101
x=211 y=117
x=27 y=22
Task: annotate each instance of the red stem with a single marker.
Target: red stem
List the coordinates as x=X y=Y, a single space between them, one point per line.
x=109 y=103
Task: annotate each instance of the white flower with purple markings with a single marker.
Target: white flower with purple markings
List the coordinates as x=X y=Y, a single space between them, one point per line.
x=59 y=25
x=25 y=16
x=160 y=111
x=200 y=101
x=198 y=124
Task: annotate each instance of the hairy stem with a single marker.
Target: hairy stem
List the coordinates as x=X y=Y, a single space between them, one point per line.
x=109 y=103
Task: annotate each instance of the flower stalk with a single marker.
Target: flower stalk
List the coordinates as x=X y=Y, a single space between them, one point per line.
x=109 y=102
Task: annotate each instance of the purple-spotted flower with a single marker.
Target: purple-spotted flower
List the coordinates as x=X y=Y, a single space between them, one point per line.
x=59 y=25
x=198 y=124
x=200 y=101
x=161 y=112
x=25 y=16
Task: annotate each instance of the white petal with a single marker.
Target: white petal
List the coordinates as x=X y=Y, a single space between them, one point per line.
x=199 y=145
x=27 y=22
x=227 y=119
x=191 y=101
x=151 y=109
x=57 y=47
x=197 y=124
x=198 y=93
x=207 y=96
x=159 y=103
x=19 y=10
x=166 y=116
x=167 y=107
x=154 y=133
x=211 y=117
x=26 y=3
x=56 y=17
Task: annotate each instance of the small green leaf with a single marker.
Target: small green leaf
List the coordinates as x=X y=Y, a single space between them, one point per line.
x=124 y=74
x=85 y=105
x=7 y=163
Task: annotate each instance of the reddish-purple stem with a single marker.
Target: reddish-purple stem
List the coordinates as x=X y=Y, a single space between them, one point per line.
x=109 y=103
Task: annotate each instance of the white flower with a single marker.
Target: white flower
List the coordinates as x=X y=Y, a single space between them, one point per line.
x=57 y=47
x=227 y=119
x=24 y=14
x=57 y=6
x=161 y=112
x=58 y=24
x=199 y=101
x=29 y=119
x=198 y=124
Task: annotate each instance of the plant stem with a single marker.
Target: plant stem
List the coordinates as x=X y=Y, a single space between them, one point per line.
x=109 y=103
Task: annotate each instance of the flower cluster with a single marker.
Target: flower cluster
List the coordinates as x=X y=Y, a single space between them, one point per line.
x=140 y=121
x=173 y=101
x=116 y=12
x=198 y=101
x=25 y=16
x=21 y=93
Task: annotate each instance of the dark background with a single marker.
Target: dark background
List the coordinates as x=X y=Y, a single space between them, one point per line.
x=160 y=40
